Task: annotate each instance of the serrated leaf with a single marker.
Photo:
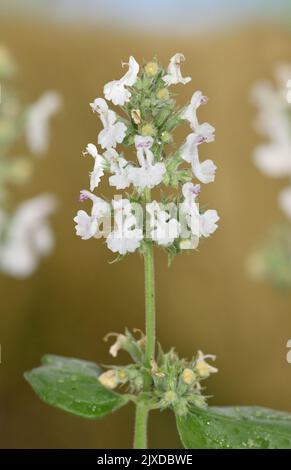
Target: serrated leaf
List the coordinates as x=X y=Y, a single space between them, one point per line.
x=235 y=428
x=72 y=385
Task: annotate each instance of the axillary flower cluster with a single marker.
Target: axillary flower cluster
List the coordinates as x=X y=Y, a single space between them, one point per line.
x=147 y=119
x=176 y=382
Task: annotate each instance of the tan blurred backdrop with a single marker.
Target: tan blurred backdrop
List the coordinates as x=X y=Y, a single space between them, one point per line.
x=205 y=299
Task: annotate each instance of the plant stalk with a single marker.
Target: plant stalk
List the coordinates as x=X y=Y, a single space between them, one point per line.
x=142 y=408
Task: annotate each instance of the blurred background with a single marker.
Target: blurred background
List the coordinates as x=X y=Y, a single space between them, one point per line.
x=205 y=300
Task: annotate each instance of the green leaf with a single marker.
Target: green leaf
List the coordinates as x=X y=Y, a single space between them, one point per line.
x=72 y=385
x=235 y=428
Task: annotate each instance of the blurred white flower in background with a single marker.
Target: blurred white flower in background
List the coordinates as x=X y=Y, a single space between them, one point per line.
x=28 y=236
x=38 y=119
x=273 y=121
x=271 y=260
x=25 y=233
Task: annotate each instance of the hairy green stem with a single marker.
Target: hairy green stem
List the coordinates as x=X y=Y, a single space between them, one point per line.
x=142 y=409
x=140 y=427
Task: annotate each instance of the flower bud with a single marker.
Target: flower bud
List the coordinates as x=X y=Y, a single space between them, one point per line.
x=148 y=129
x=122 y=376
x=166 y=137
x=151 y=69
x=135 y=115
x=163 y=94
x=170 y=397
x=109 y=379
x=188 y=376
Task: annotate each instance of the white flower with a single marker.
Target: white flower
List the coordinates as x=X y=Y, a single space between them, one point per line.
x=190 y=192
x=205 y=131
x=98 y=170
x=115 y=91
x=285 y=201
x=205 y=171
x=274 y=159
x=208 y=222
x=119 y=343
x=164 y=228
x=202 y=368
x=190 y=209
x=28 y=237
x=126 y=237
x=120 y=169
x=39 y=115
x=174 y=75
x=87 y=225
x=200 y=225
x=113 y=132
x=149 y=174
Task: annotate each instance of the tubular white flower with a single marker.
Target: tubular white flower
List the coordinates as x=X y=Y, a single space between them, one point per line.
x=190 y=209
x=202 y=368
x=115 y=90
x=205 y=131
x=119 y=343
x=208 y=222
x=98 y=171
x=113 y=132
x=28 y=237
x=87 y=225
x=99 y=207
x=149 y=174
x=200 y=225
x=164 y=229
x=174 y=74
x=120 y=169
x=205 y=171
x=126 y=237
x=39 y=115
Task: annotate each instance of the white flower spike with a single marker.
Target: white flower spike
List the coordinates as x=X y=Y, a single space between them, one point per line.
x=273 y=158
x=148 y=129
x=116 y=90
x=174 y=75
